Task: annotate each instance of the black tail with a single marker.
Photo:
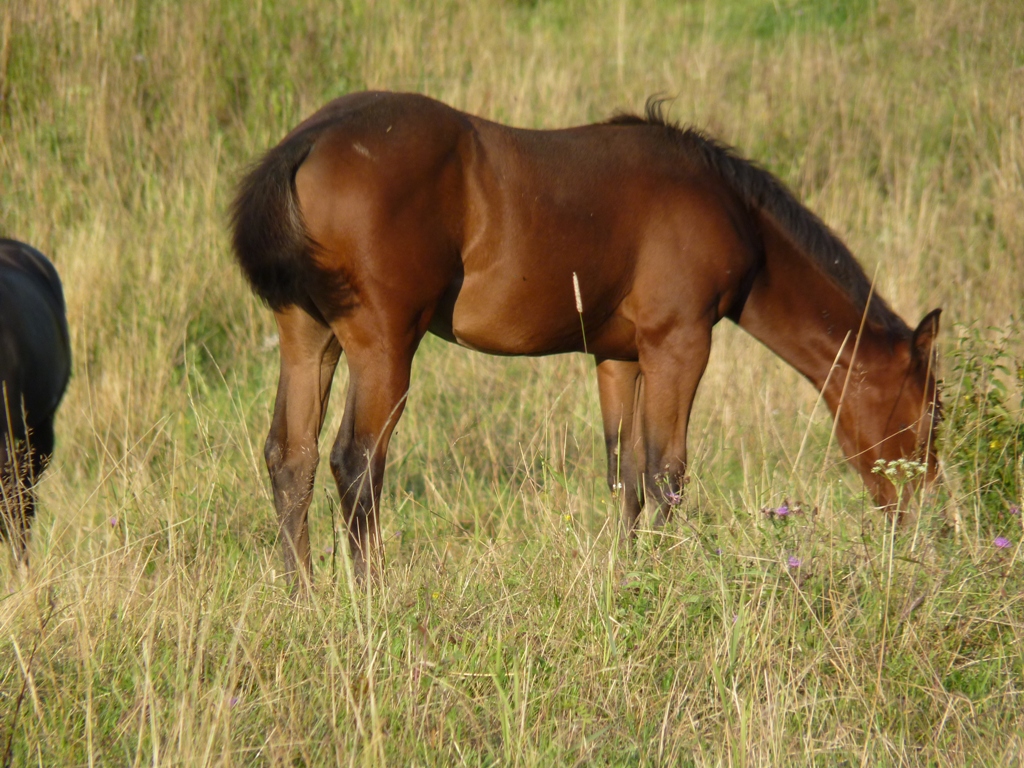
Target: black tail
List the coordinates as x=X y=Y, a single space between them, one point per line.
x=268 y=235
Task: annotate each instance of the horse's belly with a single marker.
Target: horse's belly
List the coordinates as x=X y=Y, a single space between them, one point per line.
x=531 y=320
x=501 y=319
x=504 y=333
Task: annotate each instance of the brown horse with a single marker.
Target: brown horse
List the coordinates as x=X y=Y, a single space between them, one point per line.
x=35 y=364
x=384 y=216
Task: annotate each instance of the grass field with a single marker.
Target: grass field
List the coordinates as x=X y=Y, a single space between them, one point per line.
x=152 y=627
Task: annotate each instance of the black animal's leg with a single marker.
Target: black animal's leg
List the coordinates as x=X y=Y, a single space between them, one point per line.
x=38 y=451
x=17 y=497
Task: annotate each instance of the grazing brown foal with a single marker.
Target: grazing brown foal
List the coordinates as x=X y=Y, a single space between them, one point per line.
x=384 y=216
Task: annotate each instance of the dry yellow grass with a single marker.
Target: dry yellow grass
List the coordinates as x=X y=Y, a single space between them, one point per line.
x=152 y=629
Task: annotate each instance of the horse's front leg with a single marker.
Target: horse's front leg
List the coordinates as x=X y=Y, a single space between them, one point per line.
x=619 y=388
x=309 y=355
x=672 y=369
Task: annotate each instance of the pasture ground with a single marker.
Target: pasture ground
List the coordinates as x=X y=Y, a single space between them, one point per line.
x=152 y=628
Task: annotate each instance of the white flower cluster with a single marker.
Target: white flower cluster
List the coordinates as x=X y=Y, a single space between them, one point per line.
x=899 y=471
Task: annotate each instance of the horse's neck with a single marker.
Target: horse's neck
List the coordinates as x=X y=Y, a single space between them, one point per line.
x=810 y=322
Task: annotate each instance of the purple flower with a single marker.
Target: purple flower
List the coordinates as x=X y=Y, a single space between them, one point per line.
x=794 y=561
x=1001 y=542
x=113 y=522
x=232 y=701
x=674 y=498
x=1015 y=510
x=783 y=510
x=718 y=551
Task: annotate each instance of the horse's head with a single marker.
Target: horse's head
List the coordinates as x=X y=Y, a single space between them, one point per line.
x=897 y=412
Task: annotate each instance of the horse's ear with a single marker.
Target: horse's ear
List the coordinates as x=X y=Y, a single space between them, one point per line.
x=924 y=336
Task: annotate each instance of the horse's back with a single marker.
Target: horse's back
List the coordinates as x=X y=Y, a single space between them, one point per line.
x=603 y=221
x=487 y=229
x=35 y=357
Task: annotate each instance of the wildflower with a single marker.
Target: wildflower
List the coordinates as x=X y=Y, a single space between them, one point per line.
x=674 y=498
x=435 y=595
x=113 y=522
x=232 y=701
x=783 y=509
x=1015 y=510
x=1001 y=542
x=995 y=445
x=718 y=551
x=794 y=561
x=898 y=471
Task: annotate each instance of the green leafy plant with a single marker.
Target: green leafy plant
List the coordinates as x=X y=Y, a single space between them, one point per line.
x=983 y=439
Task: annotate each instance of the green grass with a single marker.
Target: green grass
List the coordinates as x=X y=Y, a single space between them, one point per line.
x=154 y=628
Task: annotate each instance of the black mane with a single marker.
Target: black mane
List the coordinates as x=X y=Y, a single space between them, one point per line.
x=764 y=191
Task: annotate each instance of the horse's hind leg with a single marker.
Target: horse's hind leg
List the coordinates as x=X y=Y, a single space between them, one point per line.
x=619 y=385
x=672 y=369
x=379 y=360
x=309 y=355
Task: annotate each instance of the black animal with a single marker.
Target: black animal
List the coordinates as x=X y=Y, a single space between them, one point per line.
x=35 y=364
